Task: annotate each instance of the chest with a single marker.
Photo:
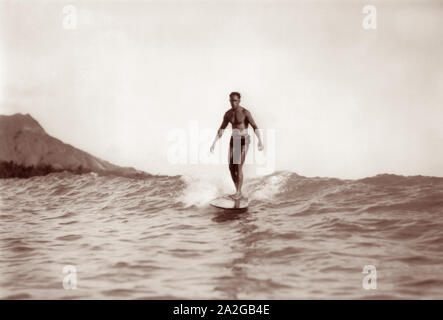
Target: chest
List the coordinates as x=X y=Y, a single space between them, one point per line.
x=237 y=117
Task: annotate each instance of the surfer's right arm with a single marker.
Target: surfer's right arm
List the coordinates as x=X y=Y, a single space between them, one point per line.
x=220 y=130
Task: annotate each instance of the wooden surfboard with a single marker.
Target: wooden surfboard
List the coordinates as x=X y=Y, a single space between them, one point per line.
x=228 y=203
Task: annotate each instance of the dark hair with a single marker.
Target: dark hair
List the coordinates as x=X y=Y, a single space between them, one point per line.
x=235 y=94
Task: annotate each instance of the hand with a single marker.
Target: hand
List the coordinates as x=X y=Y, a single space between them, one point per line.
x=260 y=146
x=212 y=149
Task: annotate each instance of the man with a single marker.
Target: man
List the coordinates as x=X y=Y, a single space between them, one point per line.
x=239 y=118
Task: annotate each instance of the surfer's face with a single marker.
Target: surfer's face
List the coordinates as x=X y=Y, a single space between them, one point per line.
x=235 y=101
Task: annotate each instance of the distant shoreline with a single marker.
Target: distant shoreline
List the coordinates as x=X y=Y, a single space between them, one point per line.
x=10 y=169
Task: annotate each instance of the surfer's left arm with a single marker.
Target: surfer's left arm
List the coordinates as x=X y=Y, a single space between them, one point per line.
x=257 y=131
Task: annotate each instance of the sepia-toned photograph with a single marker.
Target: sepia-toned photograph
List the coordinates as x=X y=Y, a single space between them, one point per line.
x=221 y=150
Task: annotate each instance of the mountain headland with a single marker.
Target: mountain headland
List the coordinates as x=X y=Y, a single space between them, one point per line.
x=26 y=150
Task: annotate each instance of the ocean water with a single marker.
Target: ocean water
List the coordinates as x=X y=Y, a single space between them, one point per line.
x=157 y=238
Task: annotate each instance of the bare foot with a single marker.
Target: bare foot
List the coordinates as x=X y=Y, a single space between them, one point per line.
x=236 y=196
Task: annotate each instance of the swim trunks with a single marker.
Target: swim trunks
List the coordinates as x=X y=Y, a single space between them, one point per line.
x=244 y=140
x=236 y=143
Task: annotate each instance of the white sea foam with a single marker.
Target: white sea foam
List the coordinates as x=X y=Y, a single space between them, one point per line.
x=266 y=188
x=198 y=191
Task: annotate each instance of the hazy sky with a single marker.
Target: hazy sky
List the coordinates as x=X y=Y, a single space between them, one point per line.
x=342 y=101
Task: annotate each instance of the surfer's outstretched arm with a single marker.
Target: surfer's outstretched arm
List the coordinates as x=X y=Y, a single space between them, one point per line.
x=256 y=130
x=220 y=130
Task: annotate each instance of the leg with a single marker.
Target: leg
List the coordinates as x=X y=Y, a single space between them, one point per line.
x=240 y=169
x=244 y=150
x=233 y=167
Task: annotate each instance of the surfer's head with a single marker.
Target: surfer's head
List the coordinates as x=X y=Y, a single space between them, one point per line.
x=234 y=99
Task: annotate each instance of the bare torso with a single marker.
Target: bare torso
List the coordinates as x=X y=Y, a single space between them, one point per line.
x=238 y=119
